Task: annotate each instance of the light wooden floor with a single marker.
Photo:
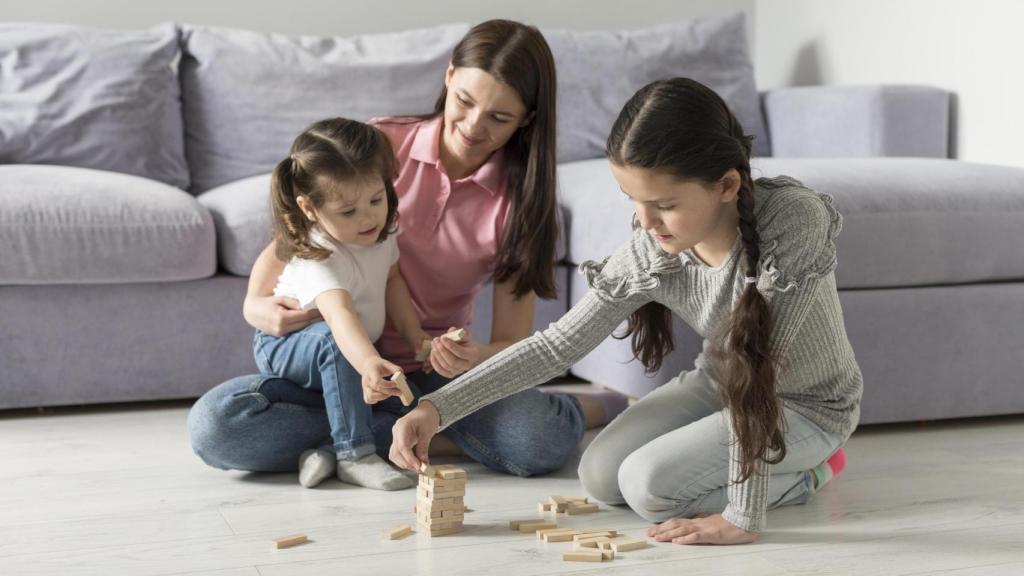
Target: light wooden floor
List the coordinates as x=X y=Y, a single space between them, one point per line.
x=117 y=490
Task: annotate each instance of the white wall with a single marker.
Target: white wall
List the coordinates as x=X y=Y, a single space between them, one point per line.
x=973 y=48
x=344 y=17
x=970 y=47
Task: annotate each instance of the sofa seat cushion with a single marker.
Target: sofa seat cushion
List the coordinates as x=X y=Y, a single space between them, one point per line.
x=907 y=221
x=241 y=213
x=64 y=225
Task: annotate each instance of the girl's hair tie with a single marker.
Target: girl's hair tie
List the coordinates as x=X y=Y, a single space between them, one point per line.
x=750 y=280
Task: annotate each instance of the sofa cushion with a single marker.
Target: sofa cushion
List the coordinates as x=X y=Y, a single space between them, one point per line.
x=599 y=71
x=241 y=213
x=63 y=225
x=906 y=221
x=99 y=99
x=247 y=95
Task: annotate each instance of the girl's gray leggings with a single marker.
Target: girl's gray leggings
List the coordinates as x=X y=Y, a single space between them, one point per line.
x=667 y=455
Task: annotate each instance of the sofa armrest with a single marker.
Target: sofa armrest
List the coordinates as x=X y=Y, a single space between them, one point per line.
x=844 y=121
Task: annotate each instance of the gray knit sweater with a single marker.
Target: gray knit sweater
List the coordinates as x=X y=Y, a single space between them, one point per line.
x=818 y=376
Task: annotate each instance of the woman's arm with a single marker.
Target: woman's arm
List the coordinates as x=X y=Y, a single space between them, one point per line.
x=275 y=315
x=350 y=334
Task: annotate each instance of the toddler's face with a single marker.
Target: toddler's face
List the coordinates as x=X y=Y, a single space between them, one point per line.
x=355 y=212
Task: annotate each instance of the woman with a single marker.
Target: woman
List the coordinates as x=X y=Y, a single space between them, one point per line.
x=476 y=186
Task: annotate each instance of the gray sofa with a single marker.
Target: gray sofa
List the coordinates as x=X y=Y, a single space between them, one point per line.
x=133 y=202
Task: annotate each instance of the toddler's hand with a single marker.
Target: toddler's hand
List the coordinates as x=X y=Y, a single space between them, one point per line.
x=376 y=387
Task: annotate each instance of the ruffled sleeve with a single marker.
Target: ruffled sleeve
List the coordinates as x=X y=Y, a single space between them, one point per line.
x=798 y=229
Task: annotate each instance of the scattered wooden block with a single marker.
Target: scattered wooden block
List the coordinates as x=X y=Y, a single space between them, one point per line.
x=627 y=544
x=534 y=526
x=559 y=536
x=515 y=524
x=583 y=556
x=610 y=531
x=398 y=533
x=581 y=535
x=543 y=508
x=606 y=544
x=574 y=509
x=607 y=554
x=590 y=542
x=457 y=335
x=545 y=532
x=289 y=541
x=404 y=393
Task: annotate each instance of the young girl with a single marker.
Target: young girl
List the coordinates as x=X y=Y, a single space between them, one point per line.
x=750 y=266
x=335 y=214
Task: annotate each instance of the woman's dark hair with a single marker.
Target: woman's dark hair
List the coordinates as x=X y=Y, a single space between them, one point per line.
x=681 y=127
x=321 y=159
x=517 y=55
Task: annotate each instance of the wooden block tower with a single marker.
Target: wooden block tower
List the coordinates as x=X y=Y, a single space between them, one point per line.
x=439 y=499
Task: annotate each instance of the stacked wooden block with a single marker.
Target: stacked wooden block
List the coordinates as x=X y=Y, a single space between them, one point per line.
x=440 y=508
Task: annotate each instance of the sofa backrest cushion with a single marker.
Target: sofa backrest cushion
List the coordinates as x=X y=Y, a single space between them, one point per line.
x=89 y=98
x=247 y=95
x=599 y=71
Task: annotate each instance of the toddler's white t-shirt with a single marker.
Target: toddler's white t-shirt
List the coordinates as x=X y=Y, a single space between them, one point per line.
x=360 y=270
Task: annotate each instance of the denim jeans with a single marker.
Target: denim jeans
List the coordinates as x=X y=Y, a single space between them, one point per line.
x=263 y=423
x=667 y=455
x=311 y=358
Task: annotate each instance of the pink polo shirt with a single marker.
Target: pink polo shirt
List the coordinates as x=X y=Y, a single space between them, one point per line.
x=451 y=231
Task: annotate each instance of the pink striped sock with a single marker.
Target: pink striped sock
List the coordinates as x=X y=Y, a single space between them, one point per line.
x=829 y=469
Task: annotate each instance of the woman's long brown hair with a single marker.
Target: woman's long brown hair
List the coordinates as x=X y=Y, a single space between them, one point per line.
x=681 y=127
x=517 y=55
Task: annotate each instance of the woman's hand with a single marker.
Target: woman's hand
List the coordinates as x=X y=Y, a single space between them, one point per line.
x=450 y=358
x=277 y=315
x=375 y=386
x=411 y=436
x=714 y=529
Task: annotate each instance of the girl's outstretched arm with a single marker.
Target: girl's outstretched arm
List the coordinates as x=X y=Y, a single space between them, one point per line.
x=348 y=331
x=527 y=363
x=275 y=315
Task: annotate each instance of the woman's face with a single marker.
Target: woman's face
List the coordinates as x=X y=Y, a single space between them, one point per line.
x=480 y=115
x=678 y=214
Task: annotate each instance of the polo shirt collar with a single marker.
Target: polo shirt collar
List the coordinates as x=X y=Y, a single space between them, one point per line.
x=426 y=148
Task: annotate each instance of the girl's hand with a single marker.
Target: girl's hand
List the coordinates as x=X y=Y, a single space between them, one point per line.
x=375 y=386
x=411 y=436
x=451 y=358
x=714 y=529
x=277 y=315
